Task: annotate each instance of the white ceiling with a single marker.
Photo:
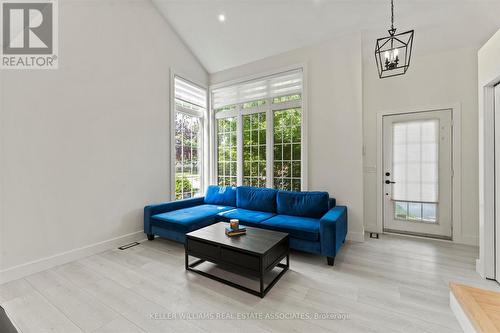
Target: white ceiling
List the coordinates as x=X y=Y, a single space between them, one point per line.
x=255 y=29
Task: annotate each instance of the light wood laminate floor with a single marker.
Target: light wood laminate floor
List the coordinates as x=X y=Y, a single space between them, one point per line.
x=393 y=284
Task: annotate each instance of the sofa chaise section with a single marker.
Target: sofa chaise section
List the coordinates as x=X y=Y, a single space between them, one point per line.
x=173 y=220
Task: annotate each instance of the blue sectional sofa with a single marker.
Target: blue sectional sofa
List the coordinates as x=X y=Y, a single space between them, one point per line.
x=312 y=219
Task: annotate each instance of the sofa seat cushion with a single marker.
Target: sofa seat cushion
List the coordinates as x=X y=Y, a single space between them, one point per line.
x=188 y=219
x=247 y=217
x=305 y=228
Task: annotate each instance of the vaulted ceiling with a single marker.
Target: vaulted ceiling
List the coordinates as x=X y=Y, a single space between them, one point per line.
x=255 y=29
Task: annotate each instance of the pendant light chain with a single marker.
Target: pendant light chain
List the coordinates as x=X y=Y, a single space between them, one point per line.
x=392 y=14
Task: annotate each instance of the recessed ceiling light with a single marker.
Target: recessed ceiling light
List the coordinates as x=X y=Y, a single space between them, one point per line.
x=222 y=18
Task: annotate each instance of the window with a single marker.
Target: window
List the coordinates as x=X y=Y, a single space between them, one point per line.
x=415 y=211
x=287 y=149
x=190 y=108
x=415 y=170
x=254 y=149
x=226 y=152
x=259 y=132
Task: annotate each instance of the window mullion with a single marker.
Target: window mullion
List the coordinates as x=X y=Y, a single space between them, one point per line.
x=182 y=159
x=191 y=160
x=269 y=145
x=239 y=147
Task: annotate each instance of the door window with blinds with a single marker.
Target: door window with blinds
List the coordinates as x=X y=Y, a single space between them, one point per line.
x=258 y=127
x=190 y=109
x=415 y=169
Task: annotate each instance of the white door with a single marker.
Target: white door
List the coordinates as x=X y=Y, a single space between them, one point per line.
x=417 y=162
x=497 y=182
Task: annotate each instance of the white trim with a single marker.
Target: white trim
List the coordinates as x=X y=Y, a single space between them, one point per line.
x=239 y=149
x=461 y=316
x=469 y=240
x=487 y=178
x=212 y=138
x=22 y=270
x=190 y=112
x=303 y=104
x=305 y=133
x=270 y=143
x=204 y=137
x=479 y=268
x=456 y=132
x=418 y=237
x=172 y=134
x=226 y=114
x=456 y=108
x=380 y=171
x=355 y=236
x=256 y=76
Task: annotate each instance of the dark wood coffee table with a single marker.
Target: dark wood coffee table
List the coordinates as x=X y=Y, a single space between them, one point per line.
x=250 y=255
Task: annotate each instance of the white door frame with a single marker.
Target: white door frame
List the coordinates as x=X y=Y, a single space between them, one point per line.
x=485 y=265
x=456 y=132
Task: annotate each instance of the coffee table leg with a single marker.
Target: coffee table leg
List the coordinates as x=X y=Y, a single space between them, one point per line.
x=261 y=285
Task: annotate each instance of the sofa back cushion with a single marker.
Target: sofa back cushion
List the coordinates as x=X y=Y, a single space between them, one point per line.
x=332 y=203
x=254 y=198
x=306 y=204
x=221 y=195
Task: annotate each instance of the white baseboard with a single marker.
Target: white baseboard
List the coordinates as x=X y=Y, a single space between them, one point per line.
x=22 y=270
x=468 y=240
x=371 y=228
x=356 y=236
x=462 y=318
x=479 y=268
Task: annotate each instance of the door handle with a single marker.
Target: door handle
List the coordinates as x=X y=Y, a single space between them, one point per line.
x=389 y=182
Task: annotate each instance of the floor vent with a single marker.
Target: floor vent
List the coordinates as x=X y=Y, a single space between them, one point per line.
x=127 y=246
x=374 y=235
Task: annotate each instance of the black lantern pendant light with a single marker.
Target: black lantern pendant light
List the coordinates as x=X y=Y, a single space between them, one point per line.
x=393 y=53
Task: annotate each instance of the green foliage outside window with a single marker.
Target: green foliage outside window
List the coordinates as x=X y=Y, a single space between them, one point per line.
x=287 y=149
x=254 y=149
x=182 y=185
x=226 y=152
x=226 y=108
x=187 y=159
x=288 y=98
x=253 y=104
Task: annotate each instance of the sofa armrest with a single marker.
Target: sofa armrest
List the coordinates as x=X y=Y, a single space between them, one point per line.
x=333 y=230
x=165 y=207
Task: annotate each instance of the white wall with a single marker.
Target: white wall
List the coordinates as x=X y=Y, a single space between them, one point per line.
x=438 y=79
x=334 y=117
x=488 y=76
x=86 y=146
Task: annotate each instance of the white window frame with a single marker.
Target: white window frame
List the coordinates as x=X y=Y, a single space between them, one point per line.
x=269 y=108
x=203 y=153
x=216 y=153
